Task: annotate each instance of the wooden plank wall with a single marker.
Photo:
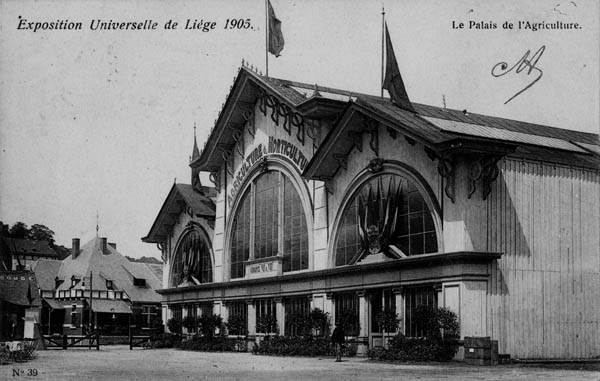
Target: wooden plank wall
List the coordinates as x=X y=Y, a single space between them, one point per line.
x=544 y=293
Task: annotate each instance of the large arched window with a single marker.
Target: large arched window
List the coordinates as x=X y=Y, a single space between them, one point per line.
x=192 y=263
x=386 y=214
x=269 y=221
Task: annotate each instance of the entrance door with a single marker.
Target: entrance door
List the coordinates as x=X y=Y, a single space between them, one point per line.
x=381 y=300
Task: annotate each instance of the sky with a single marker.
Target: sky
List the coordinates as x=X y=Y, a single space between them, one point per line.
x=97 y=121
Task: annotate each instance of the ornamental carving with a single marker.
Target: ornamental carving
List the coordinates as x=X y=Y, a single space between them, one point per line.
x=376 y=165
x=281 y=112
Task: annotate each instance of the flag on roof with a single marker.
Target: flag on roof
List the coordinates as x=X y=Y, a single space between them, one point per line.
x=393 y=80
x=275 y=36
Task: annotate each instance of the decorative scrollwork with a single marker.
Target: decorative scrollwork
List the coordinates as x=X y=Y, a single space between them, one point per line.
x=281 y=110
x=356 y=139
x=446 y=170
x=341 y=159
x=238 y=137
x=228 y=158
x=489 y=175
x=215 y=178
x=371 y=127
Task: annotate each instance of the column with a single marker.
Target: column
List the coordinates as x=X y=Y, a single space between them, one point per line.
x=219 y=309
x=399 y=296
x=280 y=315
x=251 y=318
x=363 y=319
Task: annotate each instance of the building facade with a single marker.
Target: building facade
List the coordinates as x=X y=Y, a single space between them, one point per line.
x=345 y=202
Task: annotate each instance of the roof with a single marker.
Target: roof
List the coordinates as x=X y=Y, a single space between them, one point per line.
x=110 y=266
x=20 y=288
x=46 y=271
x=181 y=198
x=436 y=128
x=110 y=306
x=29 y=247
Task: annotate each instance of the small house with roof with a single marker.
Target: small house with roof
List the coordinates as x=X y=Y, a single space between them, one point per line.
x=97 y=287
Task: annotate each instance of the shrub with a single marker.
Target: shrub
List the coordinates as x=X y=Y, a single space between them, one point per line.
x=213 y=344
x=295 y=346
x=266 y=324
x=319 y=321
x=174 y=325
x=164 y=340
x=440 y=343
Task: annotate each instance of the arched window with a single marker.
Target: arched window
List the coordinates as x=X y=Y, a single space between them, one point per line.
x=191 y=264
x=386 y=214
x=269 y=221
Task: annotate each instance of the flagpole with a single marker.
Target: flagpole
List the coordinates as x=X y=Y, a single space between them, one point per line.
x=267 y=37
x=382 y=45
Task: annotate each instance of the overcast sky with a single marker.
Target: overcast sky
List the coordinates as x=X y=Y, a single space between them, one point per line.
x=103 y=120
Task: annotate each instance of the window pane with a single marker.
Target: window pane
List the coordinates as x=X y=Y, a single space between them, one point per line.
x=240 y=248
x=267 y=196
x=395 y=207
x=295 y=237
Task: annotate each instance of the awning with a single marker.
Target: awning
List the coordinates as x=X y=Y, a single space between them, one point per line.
x=54 y=304
x=110 y=306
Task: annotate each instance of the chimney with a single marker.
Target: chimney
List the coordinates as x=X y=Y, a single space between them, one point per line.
x=113 y=245
x=103 y=247
x=75 y=248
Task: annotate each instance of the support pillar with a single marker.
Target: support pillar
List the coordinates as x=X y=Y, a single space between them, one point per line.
x=363 y=320
x=280 y=315
x=399 y=295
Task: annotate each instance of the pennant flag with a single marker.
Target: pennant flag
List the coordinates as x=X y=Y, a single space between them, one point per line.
x=275 y=36
x=393 y=80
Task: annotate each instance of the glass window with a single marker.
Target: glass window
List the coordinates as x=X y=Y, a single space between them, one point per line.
x=381 y=300
x=192 y=264
x=237 y=311
x=278 y=216
x=387 y=210
x=265 y=316
x=297 y=310
x=347 y=312
x=415 y=297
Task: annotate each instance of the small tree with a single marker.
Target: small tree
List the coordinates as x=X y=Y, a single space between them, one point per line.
x=209 y=323
x=266 y=324
x=174 y=325
x=319 y=321
x=190 y=323
x=236 y=325
x=388 y=321
x=348 y=319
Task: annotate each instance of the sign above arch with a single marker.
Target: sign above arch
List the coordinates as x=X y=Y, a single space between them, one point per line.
x=259 y=155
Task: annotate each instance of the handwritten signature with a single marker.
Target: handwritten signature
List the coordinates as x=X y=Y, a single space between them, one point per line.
x=525 y=63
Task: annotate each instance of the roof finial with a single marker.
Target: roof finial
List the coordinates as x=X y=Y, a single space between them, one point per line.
x=97 y=224
x=444 y=100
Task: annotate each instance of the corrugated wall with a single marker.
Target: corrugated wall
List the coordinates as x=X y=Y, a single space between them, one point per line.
x=544 y=293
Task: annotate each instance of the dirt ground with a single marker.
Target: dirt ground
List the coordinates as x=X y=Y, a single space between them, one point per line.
x=119 y=363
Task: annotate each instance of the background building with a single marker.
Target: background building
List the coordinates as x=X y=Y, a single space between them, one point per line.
x=348 y=203
x=97 y=286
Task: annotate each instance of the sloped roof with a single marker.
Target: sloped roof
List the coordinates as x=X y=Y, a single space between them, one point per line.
x=436 y=128
x=181 y=198
x=46 y=271
x=29 y=247
x=110 y=266
x=20 y=288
